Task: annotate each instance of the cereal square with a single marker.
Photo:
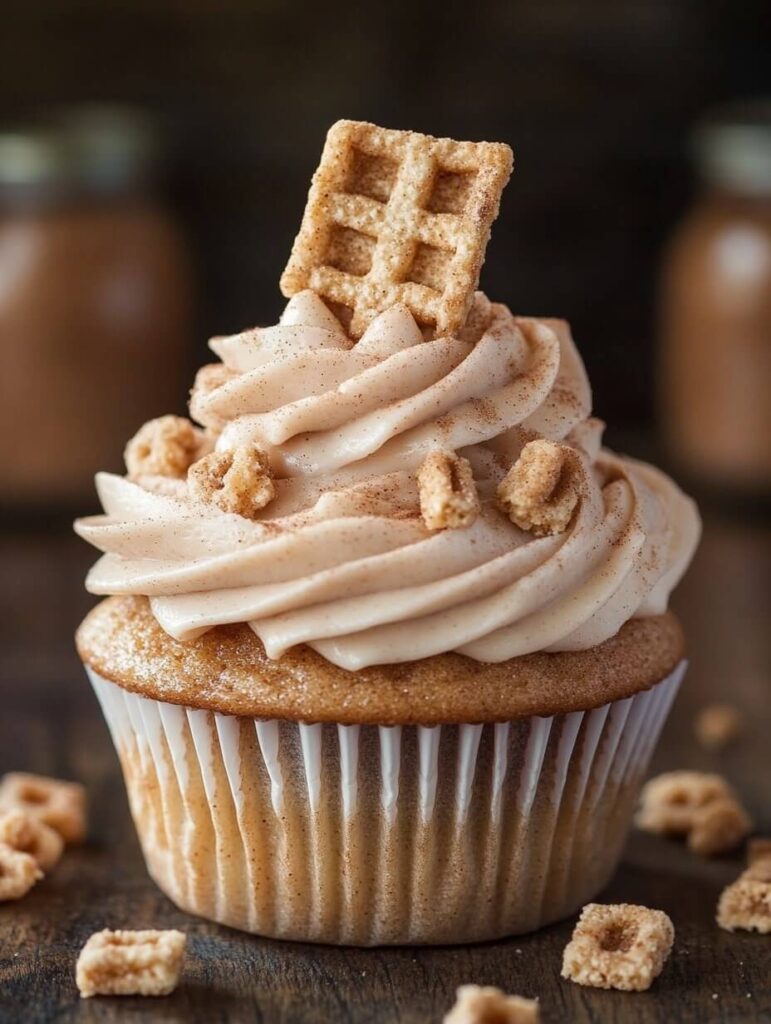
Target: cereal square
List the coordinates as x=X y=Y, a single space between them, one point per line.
x=124 y=963
x=486 y=1005
x=619 y=946
x=60 y=805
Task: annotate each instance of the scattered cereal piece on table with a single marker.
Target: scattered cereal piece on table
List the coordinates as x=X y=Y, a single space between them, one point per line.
x=539 y=493
x=238 y=480
x=124 y=963
x=619 y=946
x=18 y=873
x=718 y=827
x=746 y=903
x=448 y=495
x=718 y=725
x=485 y=1005
x=60 y=805
x=167 y=446
x=27 y=834
x=395 y=216
x=698 y=805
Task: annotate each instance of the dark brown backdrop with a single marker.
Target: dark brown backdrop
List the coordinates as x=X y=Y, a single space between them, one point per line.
x=594 y=96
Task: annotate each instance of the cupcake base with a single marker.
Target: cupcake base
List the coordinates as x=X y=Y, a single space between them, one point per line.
x=372 y=835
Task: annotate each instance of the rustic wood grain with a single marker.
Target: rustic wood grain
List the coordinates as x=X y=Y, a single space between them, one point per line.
x=50 y=723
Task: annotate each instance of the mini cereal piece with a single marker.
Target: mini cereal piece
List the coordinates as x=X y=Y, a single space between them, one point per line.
x=486 y=1005
x=167 y=446
x=746 y=904
x=18 y=873
x=717 y=725
x=60 y=805
x=208 y=380
x=26 y=834
x=718 y=827
x=396 y=216
x=620 y=946
x=448 y=495
x=126 y=963
x=539 y=492
x=238 y=480
x=669 y=802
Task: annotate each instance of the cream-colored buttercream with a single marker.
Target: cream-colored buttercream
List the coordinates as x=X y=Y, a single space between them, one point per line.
x=341 y=559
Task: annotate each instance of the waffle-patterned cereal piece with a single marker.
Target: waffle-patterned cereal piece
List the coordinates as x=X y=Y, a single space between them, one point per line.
x=539 y=493
x=746 y=904
x=126 y=963
x=26 y=834
x=448 y=495
x=18 y=873
x=486 y=1005
x=60 y=805
x=717 y=725
x=619 y=946
x=238 y=480
x=396 y=216
x=167 y=446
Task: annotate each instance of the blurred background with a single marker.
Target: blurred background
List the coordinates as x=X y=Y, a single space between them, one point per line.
x=128 y=237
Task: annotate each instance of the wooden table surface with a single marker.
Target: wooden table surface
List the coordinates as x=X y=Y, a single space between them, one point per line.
x=51 y=723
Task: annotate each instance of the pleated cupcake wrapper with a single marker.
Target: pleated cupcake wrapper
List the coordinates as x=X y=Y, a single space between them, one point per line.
x=375 y=834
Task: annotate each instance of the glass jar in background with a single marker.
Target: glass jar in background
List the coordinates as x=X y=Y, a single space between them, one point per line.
x=95 y=301
x=716 y=310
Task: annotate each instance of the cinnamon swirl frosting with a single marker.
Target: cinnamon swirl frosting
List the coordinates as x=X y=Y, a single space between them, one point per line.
x=340 y=558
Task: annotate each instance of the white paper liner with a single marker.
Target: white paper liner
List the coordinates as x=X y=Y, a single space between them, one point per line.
x=369 y=835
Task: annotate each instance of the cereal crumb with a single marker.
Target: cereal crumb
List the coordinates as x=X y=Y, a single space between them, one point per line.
x=539 y=492
x=718 y=725
x=475 y=1004
x=448 y=495
x=27 y=834
x=167 y=446
x=698 y=805
x=718 y=827
x=746 y=903
x=619 y=946
x=18 y=873
x=123 y=963
x=60 y=805
x=238 y=480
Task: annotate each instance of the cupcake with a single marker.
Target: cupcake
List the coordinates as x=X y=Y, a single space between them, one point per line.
x=385 y=646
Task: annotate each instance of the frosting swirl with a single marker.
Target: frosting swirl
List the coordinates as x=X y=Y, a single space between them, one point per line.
x=340 y=559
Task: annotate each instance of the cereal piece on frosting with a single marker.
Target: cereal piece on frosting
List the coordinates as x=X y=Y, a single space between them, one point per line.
x=539 y=493
x=484 y=1005
x=238 y=480
x=60 y=805
x=619 y=946
x=126 y=963
x=448 y=495
x=167 y=446
x=208 y=379
x=718 y=827
x=717 y=725
x=746 y=903
x=18 y=873
x=26 y=834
